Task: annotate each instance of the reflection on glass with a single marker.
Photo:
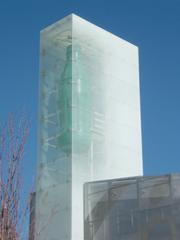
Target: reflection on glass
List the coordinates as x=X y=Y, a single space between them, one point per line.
x=138 y=208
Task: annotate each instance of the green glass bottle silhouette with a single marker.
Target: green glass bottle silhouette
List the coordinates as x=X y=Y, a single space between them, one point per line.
x=75 y=101
x=65 y=102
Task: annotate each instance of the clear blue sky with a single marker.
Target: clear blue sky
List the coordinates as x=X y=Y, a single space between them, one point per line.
x=153 y=25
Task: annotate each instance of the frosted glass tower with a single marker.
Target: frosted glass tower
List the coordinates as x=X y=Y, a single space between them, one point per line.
x=89 y=120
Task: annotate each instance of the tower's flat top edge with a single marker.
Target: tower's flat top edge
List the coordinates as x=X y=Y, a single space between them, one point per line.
x=74 y=16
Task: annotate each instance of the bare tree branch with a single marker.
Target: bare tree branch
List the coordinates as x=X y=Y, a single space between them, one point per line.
x=13 y=137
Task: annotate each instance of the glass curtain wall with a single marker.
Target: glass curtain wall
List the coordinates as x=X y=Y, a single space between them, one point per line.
x=139 y=208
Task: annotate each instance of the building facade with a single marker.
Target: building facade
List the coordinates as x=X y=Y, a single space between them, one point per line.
x=136 y=208
x=89 y=120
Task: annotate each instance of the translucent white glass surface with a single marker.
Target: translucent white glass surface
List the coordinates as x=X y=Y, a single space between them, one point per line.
x=89 y=120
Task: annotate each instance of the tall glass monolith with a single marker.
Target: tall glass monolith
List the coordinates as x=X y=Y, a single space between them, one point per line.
x=89 y=120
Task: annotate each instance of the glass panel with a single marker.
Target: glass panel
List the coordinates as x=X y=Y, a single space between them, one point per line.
x=154 y=191
x=53 y=192
x=139 y=208
x=175 y=179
